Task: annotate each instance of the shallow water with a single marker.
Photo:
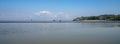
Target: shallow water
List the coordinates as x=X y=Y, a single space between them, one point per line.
x=59 y=33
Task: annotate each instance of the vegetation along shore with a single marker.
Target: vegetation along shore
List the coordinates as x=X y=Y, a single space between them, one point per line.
x=107 y=17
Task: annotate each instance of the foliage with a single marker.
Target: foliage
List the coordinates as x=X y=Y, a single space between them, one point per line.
x=100 y=17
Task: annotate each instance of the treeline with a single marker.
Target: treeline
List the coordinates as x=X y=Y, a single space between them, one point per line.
x=100 y=17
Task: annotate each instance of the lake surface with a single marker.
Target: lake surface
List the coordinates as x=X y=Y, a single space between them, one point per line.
x=59 y=33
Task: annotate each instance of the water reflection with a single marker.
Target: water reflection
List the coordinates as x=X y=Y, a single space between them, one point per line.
x=102 y=24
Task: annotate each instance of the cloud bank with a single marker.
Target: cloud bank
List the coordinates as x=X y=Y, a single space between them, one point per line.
x=52 y=15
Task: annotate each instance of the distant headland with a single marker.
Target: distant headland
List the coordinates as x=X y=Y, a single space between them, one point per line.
x=106 y=17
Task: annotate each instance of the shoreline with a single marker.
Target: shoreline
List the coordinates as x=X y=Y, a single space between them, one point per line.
x=84 y=21
x=98 y=21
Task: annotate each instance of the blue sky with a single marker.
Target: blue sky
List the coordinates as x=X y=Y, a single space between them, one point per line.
x=46 y=10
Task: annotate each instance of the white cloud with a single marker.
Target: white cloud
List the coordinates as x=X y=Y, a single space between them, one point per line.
x=53 y=15
x=43 y=13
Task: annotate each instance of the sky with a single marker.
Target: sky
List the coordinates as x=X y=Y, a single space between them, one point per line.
x=48 y=10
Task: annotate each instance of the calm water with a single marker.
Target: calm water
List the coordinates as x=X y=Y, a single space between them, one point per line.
x=59 y=33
